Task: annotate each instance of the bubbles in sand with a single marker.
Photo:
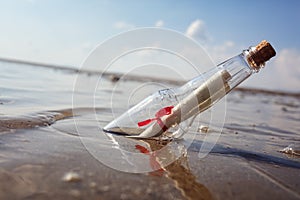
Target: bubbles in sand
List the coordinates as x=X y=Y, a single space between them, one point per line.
x=291 y=149
x=71 y=177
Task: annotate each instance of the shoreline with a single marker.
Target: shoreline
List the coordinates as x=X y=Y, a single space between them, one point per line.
x=116 y=76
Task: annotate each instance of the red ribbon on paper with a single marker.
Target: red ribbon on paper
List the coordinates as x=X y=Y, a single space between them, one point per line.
x=162 y=112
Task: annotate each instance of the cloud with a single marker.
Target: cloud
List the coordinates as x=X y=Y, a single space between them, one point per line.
x=123 y=25
x=197 y=30
x=286 y=67
x=159 y=23
x=223 y=51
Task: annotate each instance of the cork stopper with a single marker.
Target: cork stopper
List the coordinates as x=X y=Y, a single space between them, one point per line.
x=262 y=53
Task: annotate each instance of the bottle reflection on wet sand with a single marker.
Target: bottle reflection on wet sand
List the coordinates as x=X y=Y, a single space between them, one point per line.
x=178 y=171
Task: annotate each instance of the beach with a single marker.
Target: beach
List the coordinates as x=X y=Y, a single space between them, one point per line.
x=51 y=146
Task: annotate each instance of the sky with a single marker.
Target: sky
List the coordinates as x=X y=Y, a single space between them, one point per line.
x=65 y=32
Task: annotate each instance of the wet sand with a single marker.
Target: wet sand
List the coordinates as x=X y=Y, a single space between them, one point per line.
x=40 y=146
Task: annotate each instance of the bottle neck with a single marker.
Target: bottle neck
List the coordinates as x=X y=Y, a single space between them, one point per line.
x=238 y=68
x=250 y=57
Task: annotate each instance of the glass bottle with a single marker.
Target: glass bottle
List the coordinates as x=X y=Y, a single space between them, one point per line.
x=170 y=112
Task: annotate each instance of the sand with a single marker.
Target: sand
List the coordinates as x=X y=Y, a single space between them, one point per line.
x=43 y=156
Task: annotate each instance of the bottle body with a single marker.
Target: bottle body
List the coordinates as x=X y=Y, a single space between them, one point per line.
x=170 y=112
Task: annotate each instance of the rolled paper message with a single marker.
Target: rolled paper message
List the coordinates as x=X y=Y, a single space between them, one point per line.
x=199 y=100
